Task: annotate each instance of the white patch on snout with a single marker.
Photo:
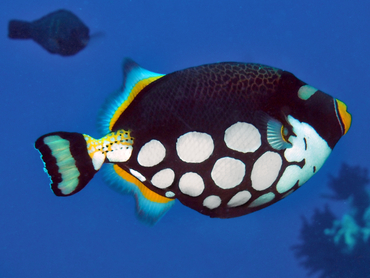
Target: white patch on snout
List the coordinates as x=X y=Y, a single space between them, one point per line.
x=307 y=145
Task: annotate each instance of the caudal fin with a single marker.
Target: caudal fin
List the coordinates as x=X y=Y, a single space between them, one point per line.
x=67 y=161
x=72 y=159
x=19 y=29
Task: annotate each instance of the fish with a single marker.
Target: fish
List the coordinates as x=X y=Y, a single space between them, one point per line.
x=225 y=139
x=60 y=32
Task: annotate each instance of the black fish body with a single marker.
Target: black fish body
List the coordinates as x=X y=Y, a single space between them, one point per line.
x=60 y=32
x=209 y=99
x=225 y=139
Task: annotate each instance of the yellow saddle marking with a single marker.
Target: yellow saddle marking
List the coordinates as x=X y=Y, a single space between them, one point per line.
x=104 y=144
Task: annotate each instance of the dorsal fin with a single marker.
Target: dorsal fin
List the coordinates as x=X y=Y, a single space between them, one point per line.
x=135 y=78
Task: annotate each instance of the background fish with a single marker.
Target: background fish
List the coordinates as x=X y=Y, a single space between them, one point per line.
x=225 y=139
x=60 y=32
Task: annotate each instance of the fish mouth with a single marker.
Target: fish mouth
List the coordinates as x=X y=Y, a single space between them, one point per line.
x=344 y=118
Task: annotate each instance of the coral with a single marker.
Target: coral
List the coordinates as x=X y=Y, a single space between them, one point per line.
x=351 y=185
x=339 y=248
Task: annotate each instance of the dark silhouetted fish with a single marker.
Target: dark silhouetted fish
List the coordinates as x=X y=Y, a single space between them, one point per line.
x=59 y=32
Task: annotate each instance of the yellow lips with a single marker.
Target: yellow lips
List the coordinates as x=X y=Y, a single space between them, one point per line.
x=344 y=115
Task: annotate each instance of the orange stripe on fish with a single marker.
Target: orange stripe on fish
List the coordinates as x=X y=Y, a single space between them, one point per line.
x=147 y=193
x=139 y=86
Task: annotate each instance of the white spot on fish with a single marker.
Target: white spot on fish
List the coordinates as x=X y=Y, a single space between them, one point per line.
x=265 y=170
x=239 y=199
x=119 y=153
x=191 y=184
x=194 y=147
x=242 y=137
x=138 y=175
x=163 y=178
x=212 y=202
x=228 y=172
x=170 y=194
x=264 y=199
x=98 y=160
x=151 y=154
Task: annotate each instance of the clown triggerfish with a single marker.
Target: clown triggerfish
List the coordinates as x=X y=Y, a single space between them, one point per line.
x=225 y=139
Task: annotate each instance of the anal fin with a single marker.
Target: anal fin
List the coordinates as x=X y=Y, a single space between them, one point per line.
x=150 y=206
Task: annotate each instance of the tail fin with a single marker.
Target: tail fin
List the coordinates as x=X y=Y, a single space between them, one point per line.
x=19 y=29
x=66 y=161
x=72 y=159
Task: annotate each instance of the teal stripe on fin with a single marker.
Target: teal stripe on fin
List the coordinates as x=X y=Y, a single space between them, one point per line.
x=66 y=161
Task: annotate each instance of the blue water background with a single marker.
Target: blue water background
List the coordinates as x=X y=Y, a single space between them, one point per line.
x=95 y=233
